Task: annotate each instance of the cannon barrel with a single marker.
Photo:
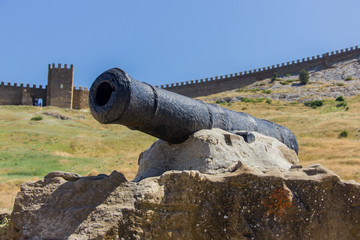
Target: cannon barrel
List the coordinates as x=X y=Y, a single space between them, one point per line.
x=117 y=98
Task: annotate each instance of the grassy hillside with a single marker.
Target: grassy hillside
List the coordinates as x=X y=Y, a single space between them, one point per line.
x=29 y=149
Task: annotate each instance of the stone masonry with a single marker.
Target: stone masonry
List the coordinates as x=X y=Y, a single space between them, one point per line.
x=60 y=91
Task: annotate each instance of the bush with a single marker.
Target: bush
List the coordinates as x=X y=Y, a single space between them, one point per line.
x=284 y=83
x=349 y=78
x=288 y=81
x=37 y=118
x=314 y=104
x=339 y=84
x=274 y=77
x=252 y=100
x=252 y=90
x=267 y=91
x=340 y=99
x=304 y=77
x=268 y=101
x=248 y=90
x=342 y=104
x=344 y=134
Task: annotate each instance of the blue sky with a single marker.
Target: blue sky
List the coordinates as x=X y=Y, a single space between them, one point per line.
x=167 y=41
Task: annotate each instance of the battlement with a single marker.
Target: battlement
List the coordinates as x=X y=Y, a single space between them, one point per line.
x=52 y=66
x=21 y=85
x=61 y=92
x=285 y=67
x=81 y=89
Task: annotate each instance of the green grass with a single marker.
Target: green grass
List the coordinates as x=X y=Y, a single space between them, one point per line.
x=252 y=90
x=288 y=81
x=34 y=148
x=252 y=100
x=37 y=118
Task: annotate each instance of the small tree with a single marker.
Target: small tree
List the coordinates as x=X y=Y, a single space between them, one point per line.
x=274 y=77
x=304 y=77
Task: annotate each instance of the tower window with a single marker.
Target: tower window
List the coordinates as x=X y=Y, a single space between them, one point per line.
x=61 y=86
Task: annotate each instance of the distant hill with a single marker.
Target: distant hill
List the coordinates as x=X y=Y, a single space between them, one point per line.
x=338 y=79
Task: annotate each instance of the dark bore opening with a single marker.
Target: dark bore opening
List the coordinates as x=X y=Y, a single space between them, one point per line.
x=103 y=93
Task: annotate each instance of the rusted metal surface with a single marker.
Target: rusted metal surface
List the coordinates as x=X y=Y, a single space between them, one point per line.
x=117 y=98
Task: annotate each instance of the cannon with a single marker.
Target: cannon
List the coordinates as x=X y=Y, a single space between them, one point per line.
x=117 y=98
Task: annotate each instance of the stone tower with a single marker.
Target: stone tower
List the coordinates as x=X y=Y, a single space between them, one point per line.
x=60 y=89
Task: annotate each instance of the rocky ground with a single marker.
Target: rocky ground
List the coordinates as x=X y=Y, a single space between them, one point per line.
x=243 y=203
x=339 y=79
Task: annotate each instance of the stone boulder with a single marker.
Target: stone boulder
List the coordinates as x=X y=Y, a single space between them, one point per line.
x=215 y=151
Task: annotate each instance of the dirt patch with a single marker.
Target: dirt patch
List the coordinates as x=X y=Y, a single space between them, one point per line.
x=8 y=193
x=57 y=115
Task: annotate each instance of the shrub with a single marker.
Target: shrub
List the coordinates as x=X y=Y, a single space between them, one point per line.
x=274 y=77
x=288 y=81
x=340 y=99
x=268 y=101
x=339 y=84
x=349 y=78
x=267 y=91
x=344 y=134
x=252 y=90
x=288 y=75
x=314 y=104
x=36 y=118
x=304 y=77
x=248 y=90
x=284 y=83
x=342 y=104
x=252 y=100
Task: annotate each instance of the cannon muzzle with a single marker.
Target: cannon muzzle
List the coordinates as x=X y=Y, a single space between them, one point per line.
x=117 y=98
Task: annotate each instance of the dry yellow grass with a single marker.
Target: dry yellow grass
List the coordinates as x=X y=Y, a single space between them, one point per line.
x=317 y=131
x=82 y=145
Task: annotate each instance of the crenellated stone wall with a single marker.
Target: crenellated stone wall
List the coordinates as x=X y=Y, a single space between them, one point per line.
x=21 y=94
x=60 y=91
x=217 y=84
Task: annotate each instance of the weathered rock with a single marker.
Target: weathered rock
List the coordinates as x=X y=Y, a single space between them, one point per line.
x=65 y=175
x=255 y=191
x=4 y=222
x=215 y=151
x=302 y=203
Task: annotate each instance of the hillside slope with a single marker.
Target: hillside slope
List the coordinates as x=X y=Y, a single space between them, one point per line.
x=71 y=140
x=339 y=79
x=64 y=140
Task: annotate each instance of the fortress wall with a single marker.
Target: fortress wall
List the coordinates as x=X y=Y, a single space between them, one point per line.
x=10 y=95
x=61 y=93
x=207 y=86
x=15 y=94
x=81 y=98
